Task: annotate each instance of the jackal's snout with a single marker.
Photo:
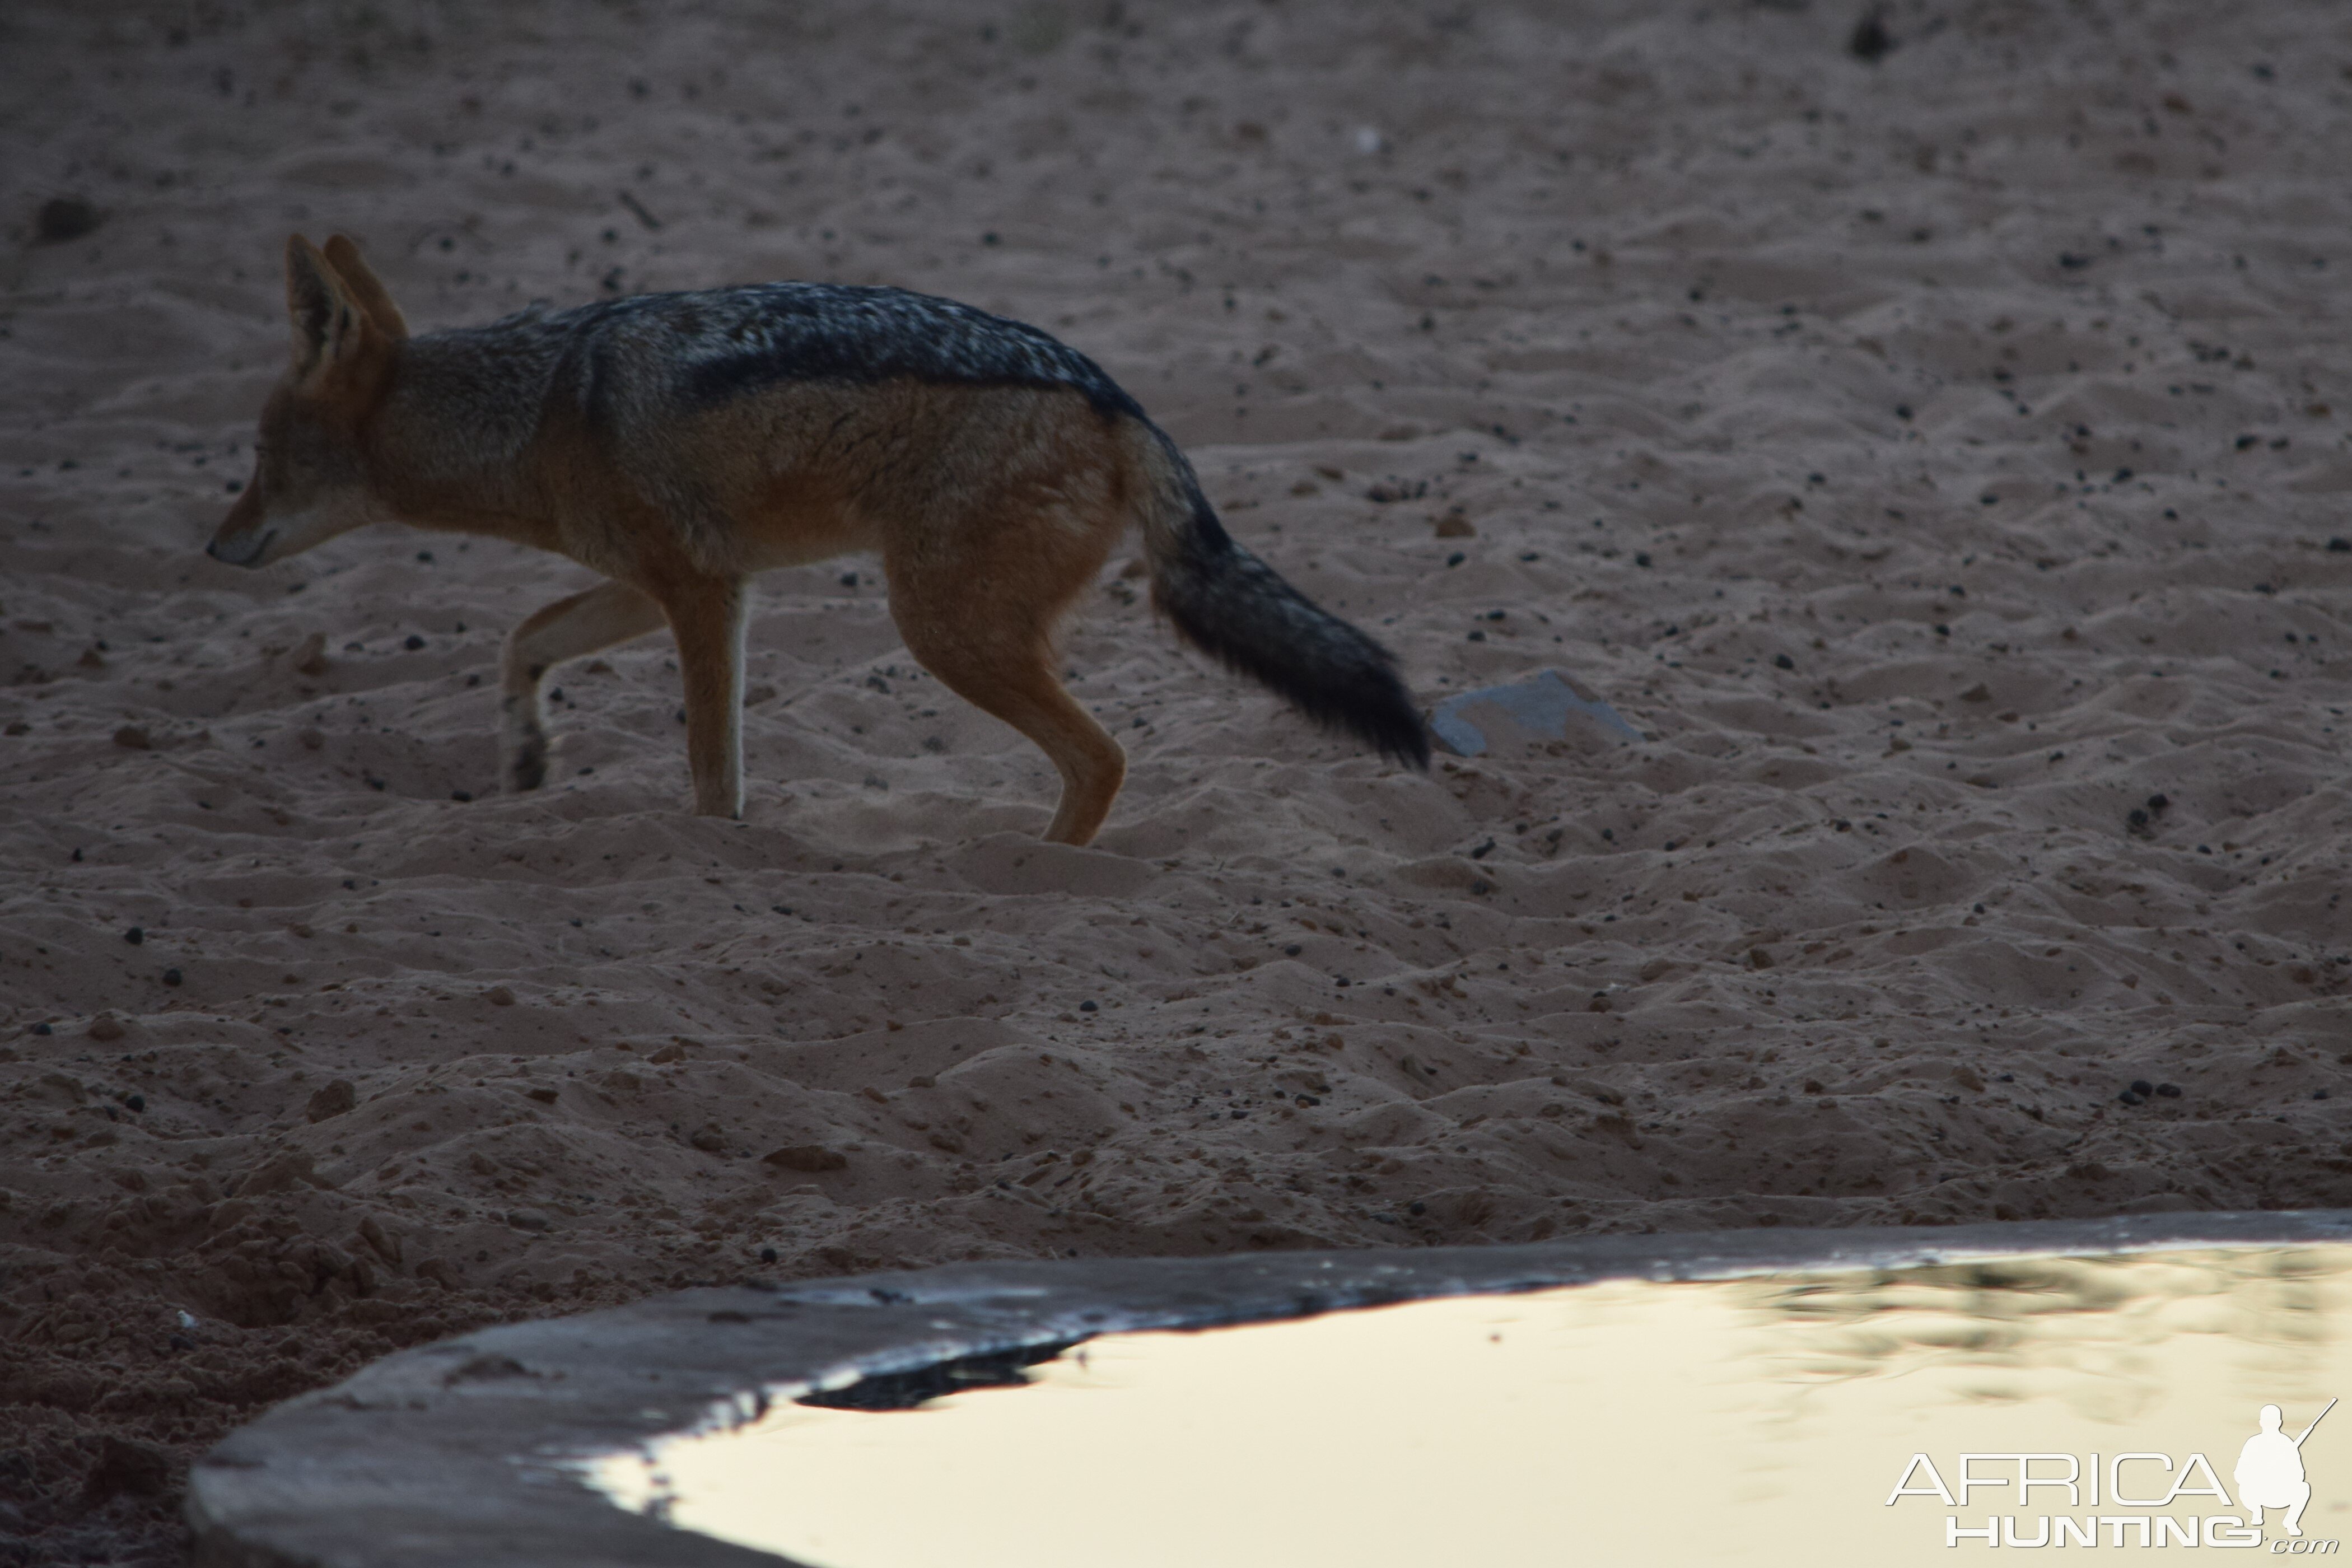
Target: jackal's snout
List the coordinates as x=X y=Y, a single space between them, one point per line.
x=244 y=536
x=249 y=549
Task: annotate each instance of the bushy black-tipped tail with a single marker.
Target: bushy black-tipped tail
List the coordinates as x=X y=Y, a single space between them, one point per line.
x=1229 y=603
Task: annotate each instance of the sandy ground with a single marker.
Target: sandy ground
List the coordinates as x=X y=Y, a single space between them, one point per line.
x=1940 y=458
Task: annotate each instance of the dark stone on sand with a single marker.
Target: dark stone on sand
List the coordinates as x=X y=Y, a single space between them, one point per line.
x=65 y=218
x=1870 y=41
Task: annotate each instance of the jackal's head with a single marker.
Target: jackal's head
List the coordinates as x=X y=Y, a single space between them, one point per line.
x=309 y=479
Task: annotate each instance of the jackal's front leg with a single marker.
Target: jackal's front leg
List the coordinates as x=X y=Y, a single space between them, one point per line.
x=568 y=628
x=707 y=617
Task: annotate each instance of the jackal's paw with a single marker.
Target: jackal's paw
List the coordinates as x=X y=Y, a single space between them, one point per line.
x=526 y=766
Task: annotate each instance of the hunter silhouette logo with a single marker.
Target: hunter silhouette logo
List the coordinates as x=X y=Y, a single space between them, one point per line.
x=2130 y=1497
x=2270 y=1471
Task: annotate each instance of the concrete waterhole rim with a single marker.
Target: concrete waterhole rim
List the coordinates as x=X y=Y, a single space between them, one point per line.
x=464 y=1451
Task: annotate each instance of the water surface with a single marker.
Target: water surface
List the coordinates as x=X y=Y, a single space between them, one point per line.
x=1766 y=1421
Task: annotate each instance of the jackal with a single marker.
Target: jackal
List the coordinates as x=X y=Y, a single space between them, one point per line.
x=678 y=443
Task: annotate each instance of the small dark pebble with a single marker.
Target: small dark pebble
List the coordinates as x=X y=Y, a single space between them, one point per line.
x=1481 y=888
x=767 y=1254
x=171 y=977
x=2319 y=1094
x=135 y=935
x=1903 y=411
x=461 y=795
x=2158 y=802
x=135 y=1101
x=1089 y=1006
x=1416 y=1206
x=2340 y=544
x=849 y=579
x=43 y=1029
x=1783 y=661
x=2168 y=1090
x=1290 y=950
x=65 y=218
x=1641 y=557
x=1870 y=40
x=1309 y=1099
x=2128 y=1098
x=1239 y=1114
x=1384 y=1219
x=412 y=642
x=1457 y=559
x=2141 y=1087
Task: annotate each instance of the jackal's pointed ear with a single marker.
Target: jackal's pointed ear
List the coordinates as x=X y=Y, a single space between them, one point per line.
x=327 y=321
x=367 y=290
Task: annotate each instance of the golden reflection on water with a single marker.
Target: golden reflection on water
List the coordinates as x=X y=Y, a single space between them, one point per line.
x=1751 y=1421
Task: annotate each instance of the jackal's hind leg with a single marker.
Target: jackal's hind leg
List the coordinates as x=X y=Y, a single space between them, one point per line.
x=995 y=652
x=568 y=628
